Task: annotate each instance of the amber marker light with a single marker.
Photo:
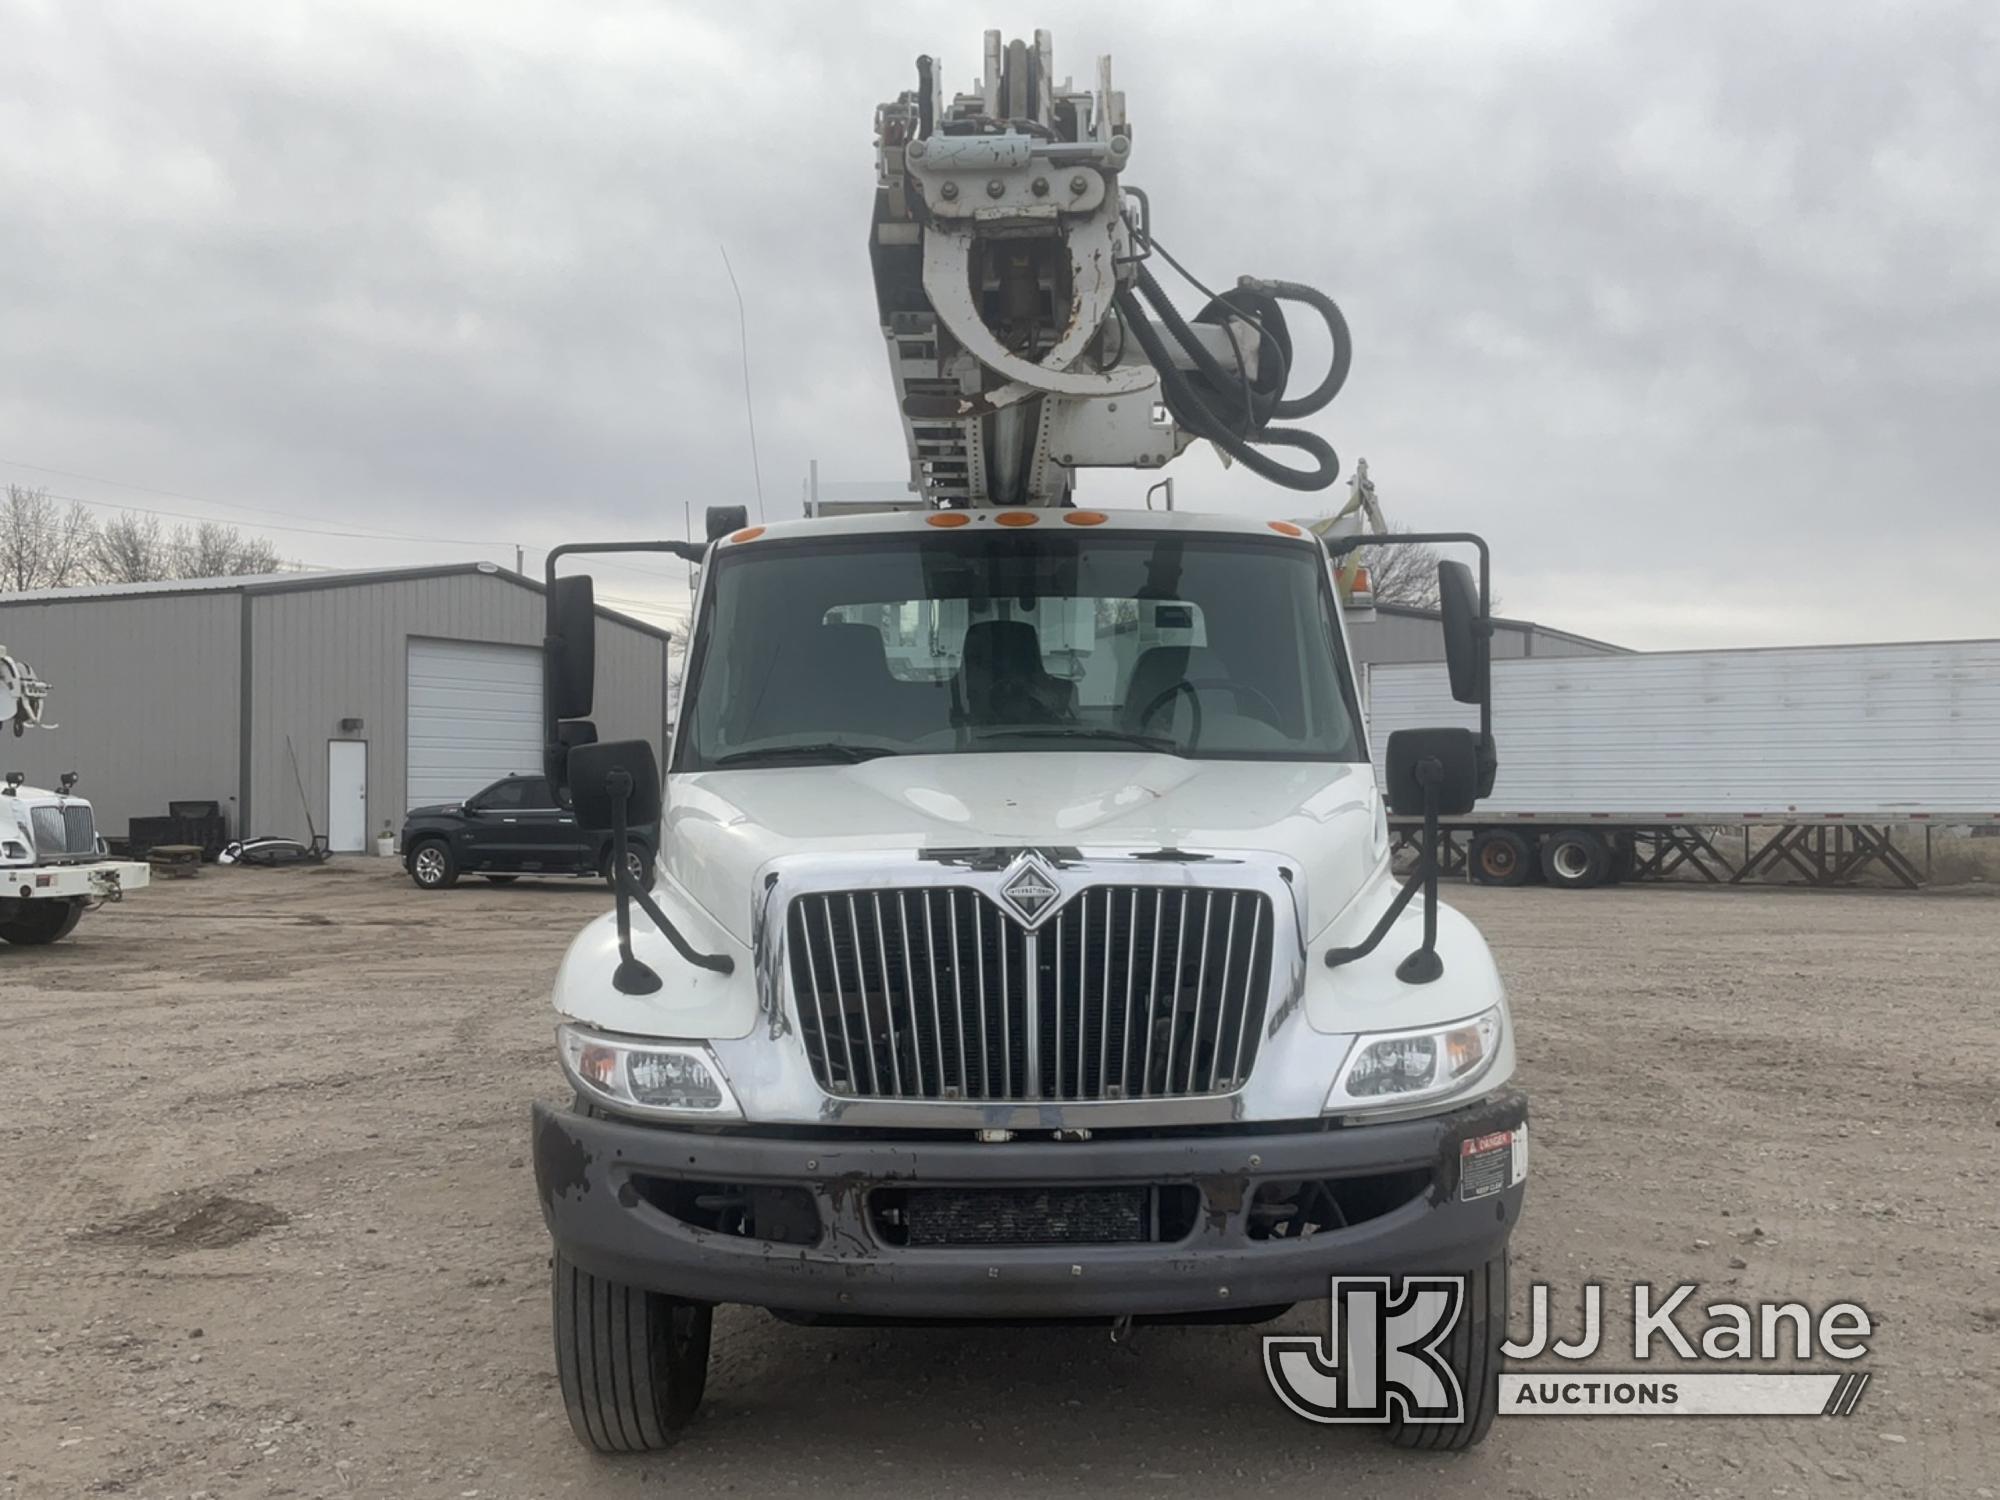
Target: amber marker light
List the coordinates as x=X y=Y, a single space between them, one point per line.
x=946 y=518
x=747 y=534
x=1085 y=517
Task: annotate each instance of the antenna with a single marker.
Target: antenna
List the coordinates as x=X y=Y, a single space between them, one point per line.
x=743 y=344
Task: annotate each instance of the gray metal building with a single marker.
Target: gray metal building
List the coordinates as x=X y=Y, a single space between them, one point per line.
x=1400 y=633
x=389 y=688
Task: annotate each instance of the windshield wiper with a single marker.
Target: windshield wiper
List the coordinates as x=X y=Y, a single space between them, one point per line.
x=1165 y=744
x=773 y=755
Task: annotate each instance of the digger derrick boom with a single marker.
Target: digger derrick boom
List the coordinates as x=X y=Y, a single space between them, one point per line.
x=1009 y=263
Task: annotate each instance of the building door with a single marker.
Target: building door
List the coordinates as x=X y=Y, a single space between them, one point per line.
x=347 y=796
x=475 y=715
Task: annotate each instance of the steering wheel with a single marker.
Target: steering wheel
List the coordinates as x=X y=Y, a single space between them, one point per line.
x=1192 y=686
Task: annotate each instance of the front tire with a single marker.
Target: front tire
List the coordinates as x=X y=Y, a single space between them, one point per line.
x=432 y=866
x=633 y=1363
x=40 y=922
x=1472 y=1350
x=638 y=859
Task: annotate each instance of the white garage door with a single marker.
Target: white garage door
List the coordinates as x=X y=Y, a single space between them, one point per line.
x=475 y=716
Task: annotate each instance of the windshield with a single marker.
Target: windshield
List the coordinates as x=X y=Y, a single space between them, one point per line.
x=946 y=642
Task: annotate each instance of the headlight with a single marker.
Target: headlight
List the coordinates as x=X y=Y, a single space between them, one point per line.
x=1387 y=1070
x=676 y=1079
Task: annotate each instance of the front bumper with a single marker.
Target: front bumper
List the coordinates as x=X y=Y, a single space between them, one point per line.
x=103 y=880
x=598 y=1180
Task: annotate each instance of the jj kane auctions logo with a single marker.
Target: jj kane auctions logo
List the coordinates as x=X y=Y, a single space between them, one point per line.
x=1386 y=1357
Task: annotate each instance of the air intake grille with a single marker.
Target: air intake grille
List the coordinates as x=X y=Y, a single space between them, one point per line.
x=63 y=830
x=936 y=993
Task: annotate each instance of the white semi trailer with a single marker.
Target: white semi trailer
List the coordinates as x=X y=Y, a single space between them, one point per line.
x=1645 y=765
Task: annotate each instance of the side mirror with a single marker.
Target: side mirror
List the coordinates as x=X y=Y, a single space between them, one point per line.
x=723 y=519
x=600 y=773
x=1447 y=758
x=1467 y=646
x=569 y=649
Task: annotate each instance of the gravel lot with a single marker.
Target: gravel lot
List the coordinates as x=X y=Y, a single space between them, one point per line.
x=267 y=1226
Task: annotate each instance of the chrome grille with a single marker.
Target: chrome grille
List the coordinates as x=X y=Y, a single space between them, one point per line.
x=1127 y=992
x=63 y=830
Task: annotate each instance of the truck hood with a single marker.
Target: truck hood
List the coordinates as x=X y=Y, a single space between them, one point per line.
x=724 y=827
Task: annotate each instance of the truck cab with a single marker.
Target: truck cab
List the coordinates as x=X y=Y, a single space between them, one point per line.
x=1023 y=946
x=53 y=865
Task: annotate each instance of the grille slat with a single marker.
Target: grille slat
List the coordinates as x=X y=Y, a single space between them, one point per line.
x=1107 y=1000
x=59 y=831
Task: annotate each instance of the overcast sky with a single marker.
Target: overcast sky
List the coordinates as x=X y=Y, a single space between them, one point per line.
x=1693 y=309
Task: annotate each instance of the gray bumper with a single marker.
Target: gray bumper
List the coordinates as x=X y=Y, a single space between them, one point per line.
x=585 y=1169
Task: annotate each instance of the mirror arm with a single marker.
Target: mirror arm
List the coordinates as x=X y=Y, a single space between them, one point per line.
x=634 y=976
x=693 y=552
x=1423 y=965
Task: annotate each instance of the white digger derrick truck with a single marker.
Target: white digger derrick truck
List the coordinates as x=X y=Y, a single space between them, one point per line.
x=53 y=865
x=1024 y=944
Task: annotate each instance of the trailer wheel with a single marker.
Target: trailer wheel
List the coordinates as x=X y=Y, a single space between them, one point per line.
x=1575 y=859
x=633 y=1363
x=1500 y=856
x=1472 y=1349
x=37 y=922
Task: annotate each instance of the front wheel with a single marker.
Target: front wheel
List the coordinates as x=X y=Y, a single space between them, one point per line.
x=633 y=1363
x=432 y=866
x=639 y=861
x=37 y=922
x=1472 y=1350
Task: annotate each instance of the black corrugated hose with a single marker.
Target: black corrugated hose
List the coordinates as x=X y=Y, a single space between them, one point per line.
x=1224 y=406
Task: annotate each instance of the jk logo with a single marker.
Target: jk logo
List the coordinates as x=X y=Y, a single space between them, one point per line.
x=1380 y=1356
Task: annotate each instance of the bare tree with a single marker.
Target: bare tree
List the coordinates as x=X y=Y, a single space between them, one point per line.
x=213 y=550
x=131 y=549
x=43 y=545
x=1404 y=575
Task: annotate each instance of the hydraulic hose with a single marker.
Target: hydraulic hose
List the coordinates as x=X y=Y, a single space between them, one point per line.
x=1227 y=407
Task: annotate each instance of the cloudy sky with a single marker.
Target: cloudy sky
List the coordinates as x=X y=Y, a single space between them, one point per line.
x=1693 y=308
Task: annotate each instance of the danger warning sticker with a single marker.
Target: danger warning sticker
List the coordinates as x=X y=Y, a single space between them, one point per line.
x=1488 y=1163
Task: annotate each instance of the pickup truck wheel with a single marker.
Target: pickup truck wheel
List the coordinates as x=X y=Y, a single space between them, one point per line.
x=1472 y=1350
x=1575 y=859
x=432 y=866
x=39 y=922
x=633 y=1363
x=638 y=861
x=1500 y=857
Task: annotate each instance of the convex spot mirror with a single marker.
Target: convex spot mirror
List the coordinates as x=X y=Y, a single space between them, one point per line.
x=596 y=772
x=1456 y=753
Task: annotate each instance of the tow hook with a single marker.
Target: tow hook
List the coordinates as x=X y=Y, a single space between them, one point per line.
x=1121 y=1333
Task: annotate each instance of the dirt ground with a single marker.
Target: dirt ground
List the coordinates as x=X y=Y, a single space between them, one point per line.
x=267 y=1226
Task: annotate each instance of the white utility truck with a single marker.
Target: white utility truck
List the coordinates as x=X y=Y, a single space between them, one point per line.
x=1024 y=944
x=53 y=865
x=1789 y=762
